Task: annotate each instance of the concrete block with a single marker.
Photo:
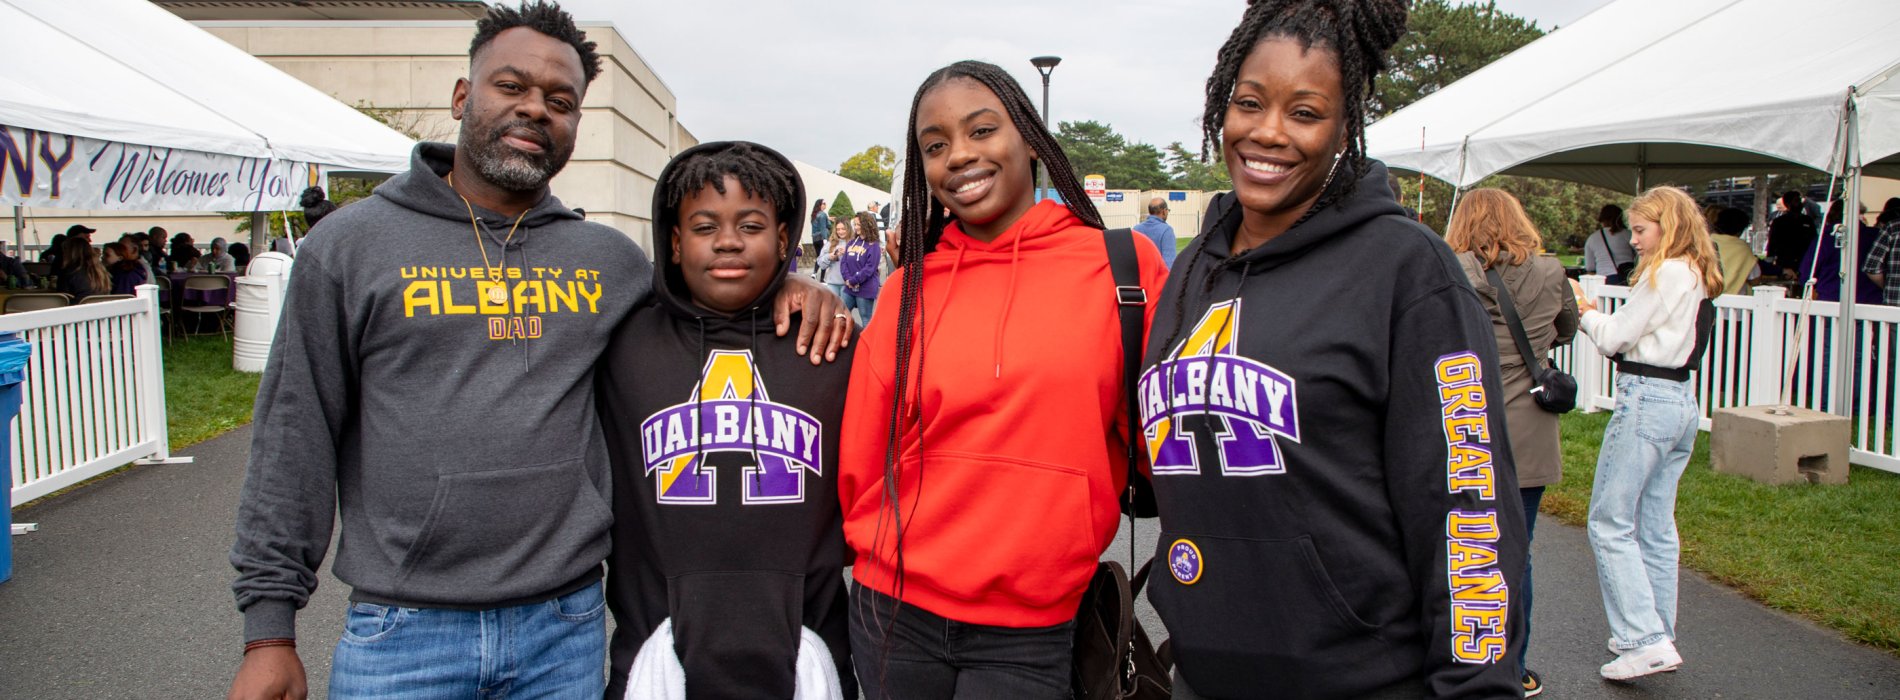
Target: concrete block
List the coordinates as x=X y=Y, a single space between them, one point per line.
x=1780 y=445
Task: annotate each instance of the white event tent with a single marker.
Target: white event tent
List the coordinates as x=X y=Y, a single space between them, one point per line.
x=1641 y=92
x=119 y=104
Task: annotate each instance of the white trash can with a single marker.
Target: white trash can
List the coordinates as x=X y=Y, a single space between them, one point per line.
x=259 y=299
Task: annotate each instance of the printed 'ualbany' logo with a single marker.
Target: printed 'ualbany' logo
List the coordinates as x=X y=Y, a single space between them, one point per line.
x=1206 y=402
x=731 y=412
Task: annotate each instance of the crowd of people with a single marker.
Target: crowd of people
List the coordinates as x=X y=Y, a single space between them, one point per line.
x=1346 y=466
x=79 y=268
x=1801 y=247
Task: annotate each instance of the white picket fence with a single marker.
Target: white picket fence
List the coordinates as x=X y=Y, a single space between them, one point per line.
x=94 y=396
x=1752 y=358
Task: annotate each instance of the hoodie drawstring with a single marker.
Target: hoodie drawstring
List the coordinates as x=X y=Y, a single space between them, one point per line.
x=699 y=402
x=1009 y=297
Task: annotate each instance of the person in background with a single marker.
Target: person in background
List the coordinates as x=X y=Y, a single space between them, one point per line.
x=1883 y=259
x=315 y=205
x=1822 y=262
x=1156 y=228
x=122 y=264
x=12 y=268
x=1608 y=251
x=240 y=254
x=859 y=266
x=184 y=255
x=50 y=255
x=829 y=271
x=152 y=246
x=820 y=225
x=219 y=260
x=1653 y=338
x=191 y=263
x=81 y=274
x=1491 y=233
x=1791 y=235
x=1739 y=264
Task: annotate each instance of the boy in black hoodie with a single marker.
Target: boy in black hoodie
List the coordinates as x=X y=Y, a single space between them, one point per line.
x=726 y=576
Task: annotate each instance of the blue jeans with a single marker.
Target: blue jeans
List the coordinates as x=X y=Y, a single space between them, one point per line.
x=853 y=302
x=1532 y=498
x=929 y=657
x=552 y=649
x=837 y=289
x=1633 y=507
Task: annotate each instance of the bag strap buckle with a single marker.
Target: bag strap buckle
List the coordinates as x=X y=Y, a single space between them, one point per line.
x=1131 y=296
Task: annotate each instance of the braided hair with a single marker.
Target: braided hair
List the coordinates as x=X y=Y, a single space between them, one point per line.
x=1358 y=31
x=920 y=228
x=761 y=174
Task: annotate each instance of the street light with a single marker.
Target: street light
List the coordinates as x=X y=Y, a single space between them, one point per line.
x=1045 y=65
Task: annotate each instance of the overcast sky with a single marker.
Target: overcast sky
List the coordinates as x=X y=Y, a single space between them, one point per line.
x=822 y=81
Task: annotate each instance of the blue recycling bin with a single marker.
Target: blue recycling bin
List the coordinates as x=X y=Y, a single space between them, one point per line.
x=13 y=356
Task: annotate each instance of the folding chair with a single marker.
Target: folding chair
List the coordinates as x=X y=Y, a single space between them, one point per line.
x=208 y=294
x=37 y=301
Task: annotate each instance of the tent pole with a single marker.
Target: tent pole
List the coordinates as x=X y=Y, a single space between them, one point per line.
x=19 y=232
x=1845 y=338
x=1642 y=167
x=260 y=232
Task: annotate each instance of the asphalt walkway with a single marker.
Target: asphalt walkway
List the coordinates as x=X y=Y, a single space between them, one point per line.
x=125 y=593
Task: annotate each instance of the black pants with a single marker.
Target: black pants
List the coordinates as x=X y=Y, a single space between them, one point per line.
x=929 y=657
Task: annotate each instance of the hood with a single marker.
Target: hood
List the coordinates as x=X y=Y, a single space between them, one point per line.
x=1036 y=230
x=670 y=292
x=1369 y=199
x=422 y=189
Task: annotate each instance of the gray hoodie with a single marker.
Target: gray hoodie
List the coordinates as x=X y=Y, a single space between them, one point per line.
x=456 y=436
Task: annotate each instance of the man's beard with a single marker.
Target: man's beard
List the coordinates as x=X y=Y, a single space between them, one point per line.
x=507 y=167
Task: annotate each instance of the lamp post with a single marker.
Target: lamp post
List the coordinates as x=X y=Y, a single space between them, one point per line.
x=1045 y=65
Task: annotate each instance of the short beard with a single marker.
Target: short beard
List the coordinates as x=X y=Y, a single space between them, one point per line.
x=505 y=167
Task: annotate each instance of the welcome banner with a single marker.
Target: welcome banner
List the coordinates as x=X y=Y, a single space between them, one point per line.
x=45 y=169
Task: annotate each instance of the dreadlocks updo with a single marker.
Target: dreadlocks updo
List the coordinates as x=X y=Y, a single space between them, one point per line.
x=1359 y=31
x=761 y=174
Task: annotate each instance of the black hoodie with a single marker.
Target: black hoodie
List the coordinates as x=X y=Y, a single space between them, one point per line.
x=738 y=562
x=1327 y=460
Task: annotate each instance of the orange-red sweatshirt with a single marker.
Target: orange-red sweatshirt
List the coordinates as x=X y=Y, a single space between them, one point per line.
x=1022 y=462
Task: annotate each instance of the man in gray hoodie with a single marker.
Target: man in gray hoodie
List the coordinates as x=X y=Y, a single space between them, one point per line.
x=432 y=383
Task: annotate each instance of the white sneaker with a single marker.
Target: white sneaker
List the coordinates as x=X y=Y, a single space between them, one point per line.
x=1643 y=661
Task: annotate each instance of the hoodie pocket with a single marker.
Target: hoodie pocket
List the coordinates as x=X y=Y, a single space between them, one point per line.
x=737 y=633
x=1248 y=614
x=506 y=533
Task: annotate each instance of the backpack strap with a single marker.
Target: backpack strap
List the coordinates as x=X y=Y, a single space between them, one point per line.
x=1131 y=300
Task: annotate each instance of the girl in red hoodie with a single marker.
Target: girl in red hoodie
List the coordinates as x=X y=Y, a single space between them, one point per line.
x=981 y=460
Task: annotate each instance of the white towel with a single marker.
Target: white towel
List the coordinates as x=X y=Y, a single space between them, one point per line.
x=658 y=675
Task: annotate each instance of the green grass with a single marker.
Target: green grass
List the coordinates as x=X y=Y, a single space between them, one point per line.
x=204 y=397
x=1824 y=552
x=1570 y=260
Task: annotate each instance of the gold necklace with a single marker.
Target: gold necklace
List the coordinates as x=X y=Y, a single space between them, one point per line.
x=497 y=294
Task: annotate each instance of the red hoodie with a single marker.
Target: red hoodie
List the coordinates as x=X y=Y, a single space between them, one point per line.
x=1022 y=418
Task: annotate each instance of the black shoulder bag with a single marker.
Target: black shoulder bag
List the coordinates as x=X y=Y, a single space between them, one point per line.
x=1554 y=391
x=1114 y=658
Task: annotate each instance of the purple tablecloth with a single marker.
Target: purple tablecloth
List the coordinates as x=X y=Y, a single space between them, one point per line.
x=200 y=297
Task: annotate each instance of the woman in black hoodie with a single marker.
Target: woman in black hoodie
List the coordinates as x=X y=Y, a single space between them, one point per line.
x=1339 y=514
x=726 y=574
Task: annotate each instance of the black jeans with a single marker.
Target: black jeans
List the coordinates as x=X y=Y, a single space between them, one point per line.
x=929 y=657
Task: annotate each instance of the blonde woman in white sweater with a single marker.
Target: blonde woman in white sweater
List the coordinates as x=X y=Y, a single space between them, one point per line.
x=1654 y=338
